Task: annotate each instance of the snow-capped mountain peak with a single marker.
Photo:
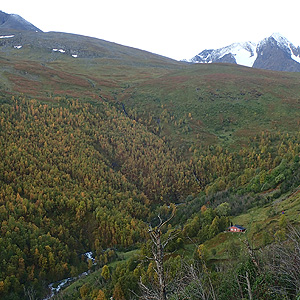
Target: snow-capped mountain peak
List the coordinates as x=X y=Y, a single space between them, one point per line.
x=280 y=39
x=274 y=52
x=277 y=38
x=240 y=53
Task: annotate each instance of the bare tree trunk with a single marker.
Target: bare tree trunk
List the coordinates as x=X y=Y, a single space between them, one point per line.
x=158 y=253
x=248 y=286
x=158 y=258
x=188 y=283
x=250 y=251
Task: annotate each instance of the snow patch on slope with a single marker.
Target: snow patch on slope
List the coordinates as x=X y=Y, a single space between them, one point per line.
x=58 y=50
x=295 y=58
x=6 y=36
x=245 y=54
x=73 y=54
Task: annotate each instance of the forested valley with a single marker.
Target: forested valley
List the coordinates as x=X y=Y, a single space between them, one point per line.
x=81 y=176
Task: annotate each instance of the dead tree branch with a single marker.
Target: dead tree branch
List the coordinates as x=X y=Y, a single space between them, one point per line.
x=158 y=247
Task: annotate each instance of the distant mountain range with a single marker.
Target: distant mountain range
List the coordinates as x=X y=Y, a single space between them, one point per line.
x=272 y=53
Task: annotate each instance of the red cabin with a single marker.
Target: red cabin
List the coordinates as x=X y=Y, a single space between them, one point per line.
x=236 y=228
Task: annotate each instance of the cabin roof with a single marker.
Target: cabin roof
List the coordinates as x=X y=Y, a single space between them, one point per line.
x=239 y=227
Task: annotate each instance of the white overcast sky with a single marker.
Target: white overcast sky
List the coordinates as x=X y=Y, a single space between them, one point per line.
x=174 y=28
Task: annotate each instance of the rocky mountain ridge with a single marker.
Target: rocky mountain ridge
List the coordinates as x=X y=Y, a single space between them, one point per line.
x=272 y=53
x=15 y=22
